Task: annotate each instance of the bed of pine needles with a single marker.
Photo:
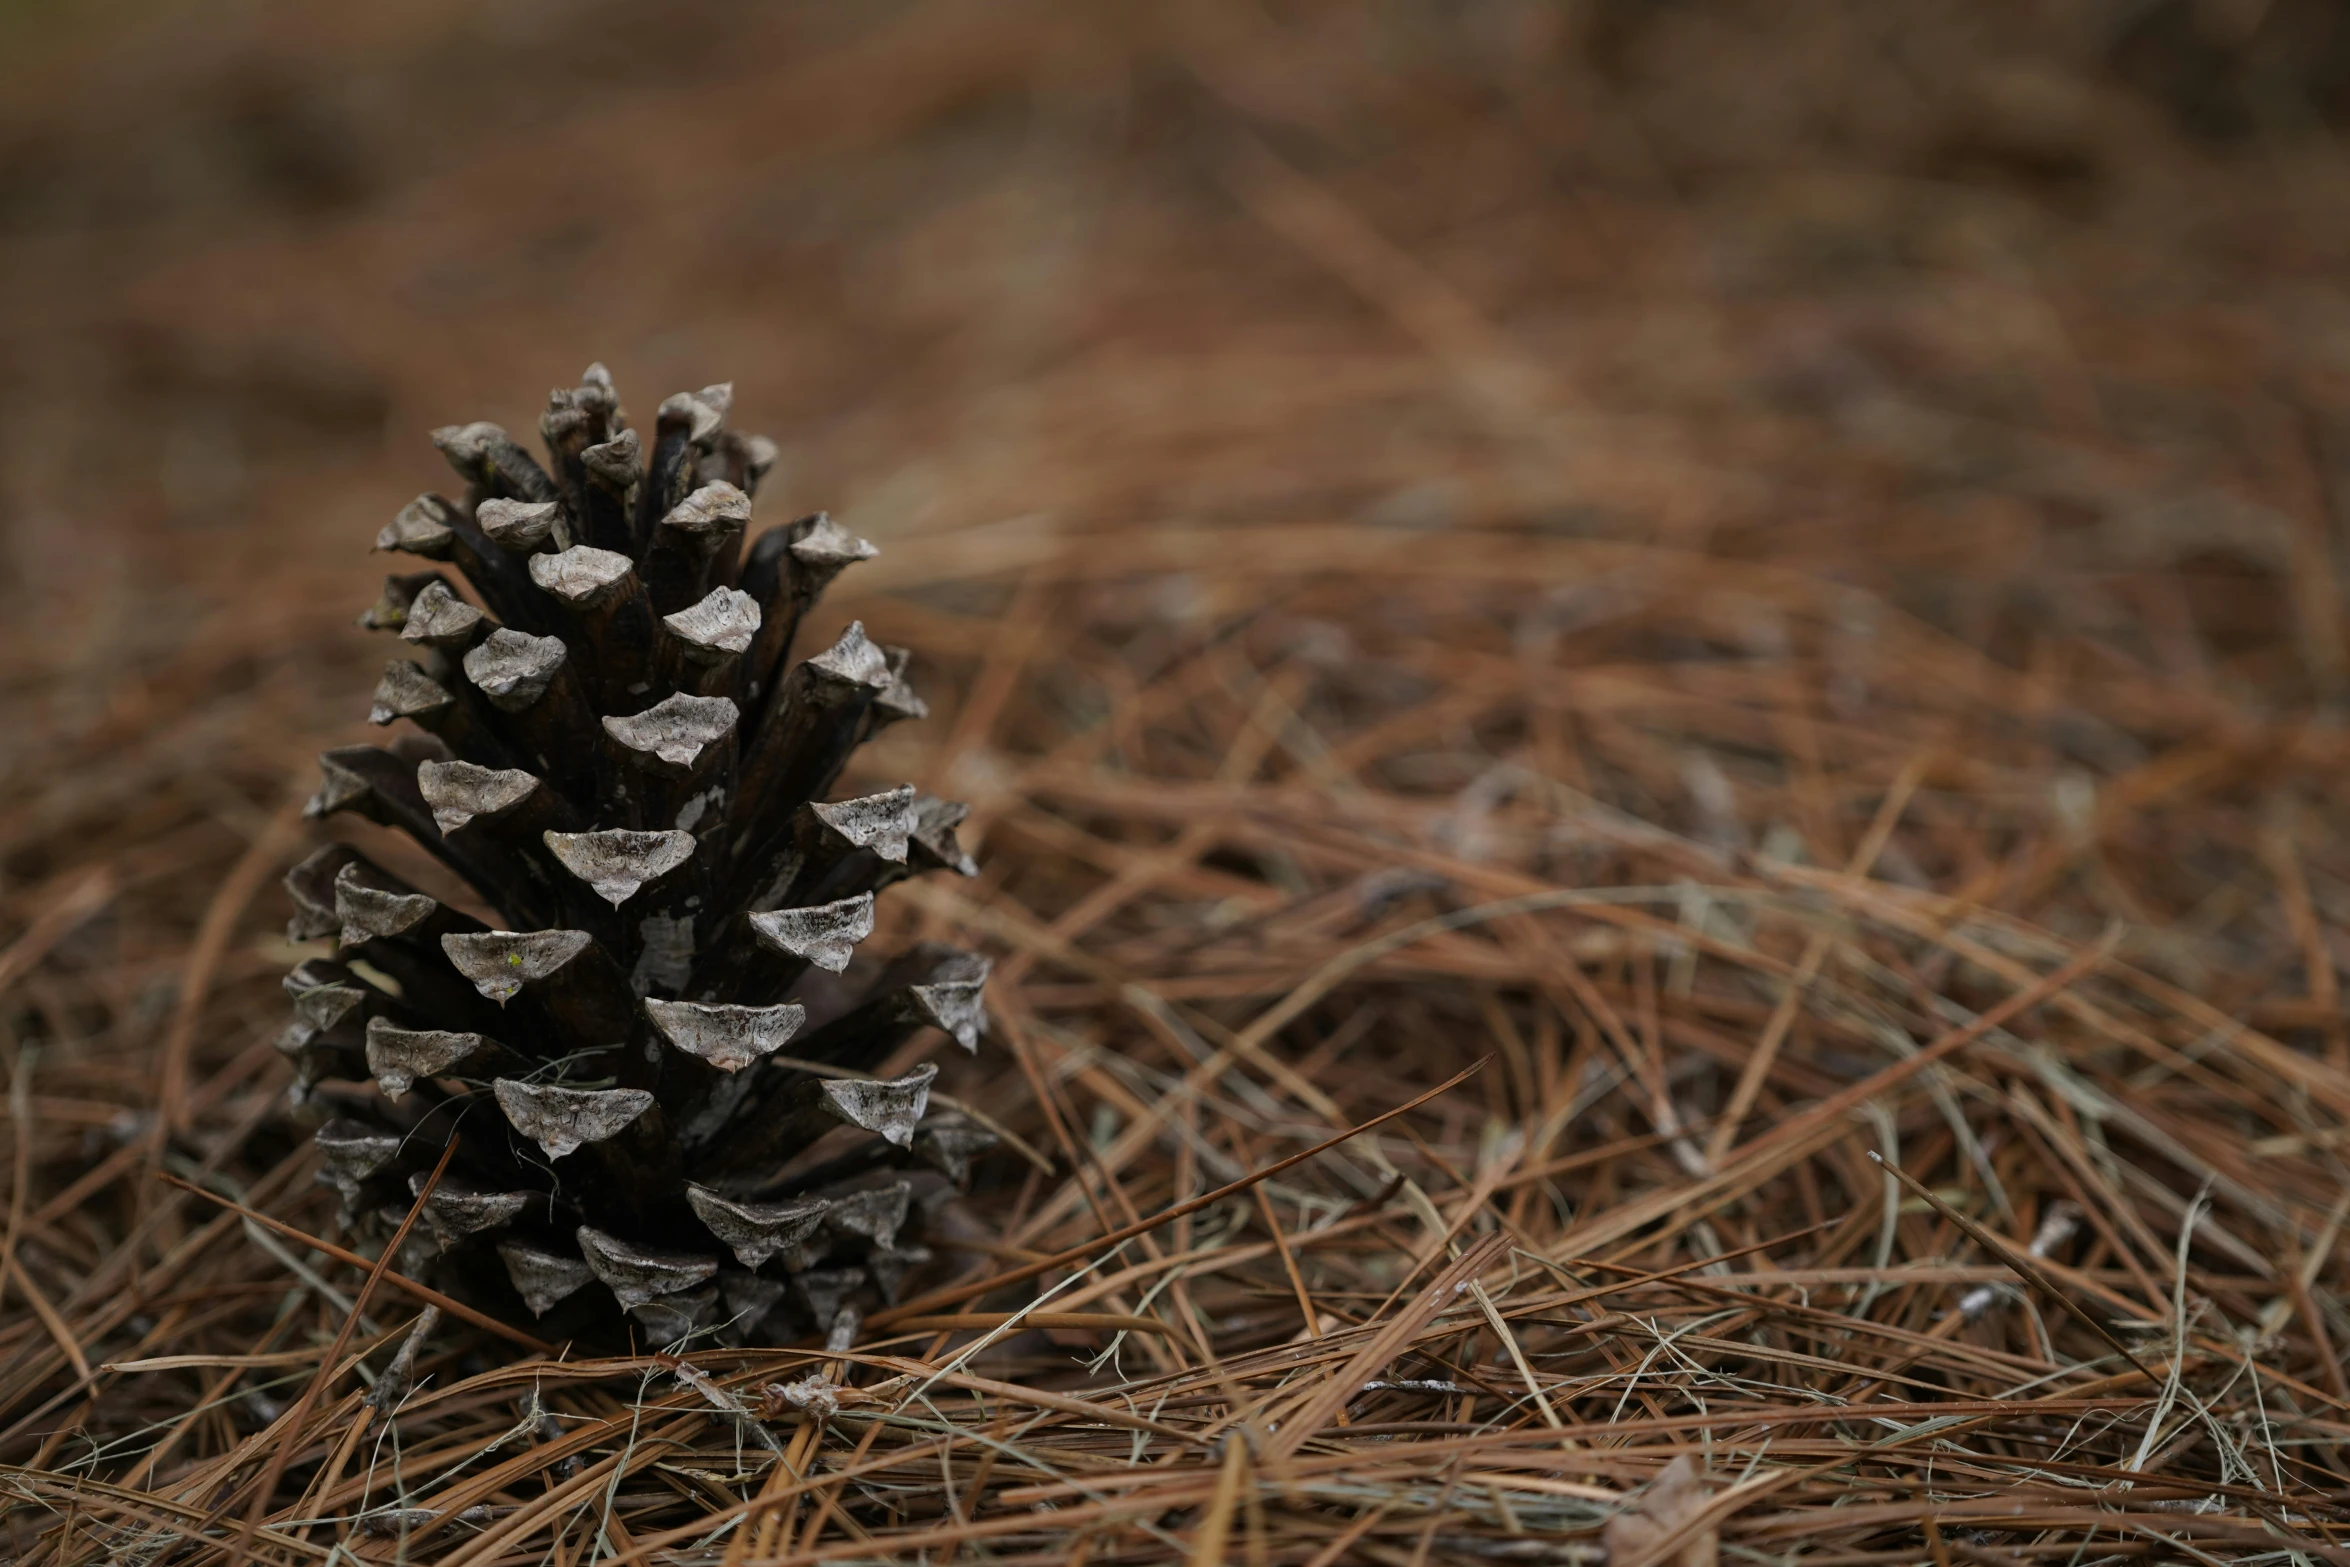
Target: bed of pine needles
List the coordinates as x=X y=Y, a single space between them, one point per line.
x=1657 y=771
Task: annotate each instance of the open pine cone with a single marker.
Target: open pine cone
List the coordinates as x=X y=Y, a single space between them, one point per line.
x=640 y=1061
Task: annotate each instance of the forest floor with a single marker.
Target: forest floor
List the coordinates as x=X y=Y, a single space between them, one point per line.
x=1766 y=581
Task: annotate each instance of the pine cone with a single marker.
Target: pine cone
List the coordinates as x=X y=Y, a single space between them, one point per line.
x=617 y=756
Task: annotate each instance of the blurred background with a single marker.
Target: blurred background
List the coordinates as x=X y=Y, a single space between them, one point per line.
x=2008 y=297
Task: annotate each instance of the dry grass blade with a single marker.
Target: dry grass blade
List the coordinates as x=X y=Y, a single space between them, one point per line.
x=422 y=1294
x=2020 y=1261
x=281 y=1451
x=1140 y=1227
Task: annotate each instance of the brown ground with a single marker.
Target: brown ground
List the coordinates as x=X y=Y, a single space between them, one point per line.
x=1839 y=506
